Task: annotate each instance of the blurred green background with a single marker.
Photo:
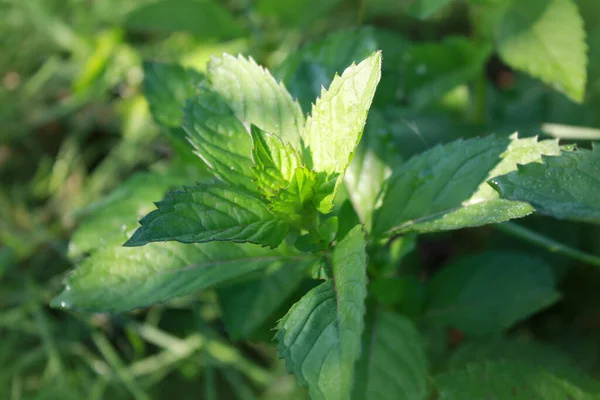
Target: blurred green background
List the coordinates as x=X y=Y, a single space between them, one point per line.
x=75 y=124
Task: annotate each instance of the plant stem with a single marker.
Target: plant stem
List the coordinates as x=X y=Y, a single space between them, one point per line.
x=549 y=244
x=360 y=16
x=480 y=98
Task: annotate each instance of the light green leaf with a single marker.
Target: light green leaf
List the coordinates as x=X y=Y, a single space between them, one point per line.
x=121 y=278
x=312 y=67
x=206 y=18
x=392 y=365
x=210 y=212
x=565 y=186
x=247 y=305
x=445 y=187
x=373 y=162
x=220 y=139
x=167 y=87
x=320 y=336
x=274 y=162
x=108 y=222
x=296 y=203
x=337 y=121
x=546 y=39
x=488 y=292
x=255 y=97
x=507 y=380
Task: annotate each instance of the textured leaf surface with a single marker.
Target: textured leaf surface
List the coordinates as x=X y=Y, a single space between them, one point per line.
x=392 y=365
x=565 y=186
x=274 y=162
x=373 y=162
x=220 y=139
x=210 y=212
x=546 y=39
x=121 y=278
x=206 y=18
x=505 y=380
x=488 y=292
x=108 y=222
x=296 y=202
x=247 y=305
x=320 y=337
x=337 y=120
x=167 y=87
x=255 y=97
x=445 y=187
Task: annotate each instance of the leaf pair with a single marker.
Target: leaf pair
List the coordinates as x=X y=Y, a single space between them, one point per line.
x=275 y=169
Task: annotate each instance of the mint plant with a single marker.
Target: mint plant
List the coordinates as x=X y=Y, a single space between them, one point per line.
x=283 y=198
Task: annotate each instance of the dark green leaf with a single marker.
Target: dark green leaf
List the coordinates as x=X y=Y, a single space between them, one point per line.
x=306 y=71
x=505 y=380
x=210 y=212
x=488 y=292
x=445 y=187
x=429 y=70
x=565 y=186
x=120 y=278
x=320 y=336
x=424 y=9
x=206 y=18
x=220 y=139
x=110 y=221
x=392 y=365
x=247 y=305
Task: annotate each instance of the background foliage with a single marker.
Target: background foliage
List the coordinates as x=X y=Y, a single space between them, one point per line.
x=84 y=150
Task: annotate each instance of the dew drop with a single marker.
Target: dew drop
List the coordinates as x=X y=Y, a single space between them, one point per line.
x=421 y=69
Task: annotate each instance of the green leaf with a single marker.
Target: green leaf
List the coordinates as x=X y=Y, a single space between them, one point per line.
x=274 y=162
x=565 y=186
x=511 y=349
x=373 y=162
x=109 y=221
x=446 y=187
x=488 y=292
x=307 y=70
x=210 y=212
x=320 y=336
x=506 y=380
x=121 y=278
x=546 y=39
x=337 y=121
x=392 y=365
x=206 y=18
x=167 y=87
x=256 y=97
x=289 y=11
x=220 y=139
x=429 y=70
x=296 y=203
x=247 y=305
x=424 y=9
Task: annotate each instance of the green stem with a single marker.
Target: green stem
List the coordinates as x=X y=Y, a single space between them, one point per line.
x=480 y=98
x=549 y=244
x=360 y=16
